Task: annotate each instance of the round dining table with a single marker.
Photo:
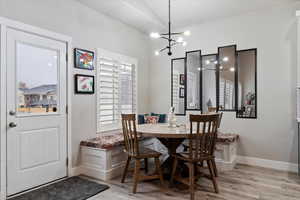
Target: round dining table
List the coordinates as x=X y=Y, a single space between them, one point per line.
x=170 y=137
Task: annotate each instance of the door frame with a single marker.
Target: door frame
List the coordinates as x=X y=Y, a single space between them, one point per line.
x=7 y=23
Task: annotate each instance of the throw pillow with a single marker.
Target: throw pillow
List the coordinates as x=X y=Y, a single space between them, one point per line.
x=151 y=119
x=162 y=117
x=141 y=118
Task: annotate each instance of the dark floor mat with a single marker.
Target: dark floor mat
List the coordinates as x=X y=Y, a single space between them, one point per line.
x=74 y=188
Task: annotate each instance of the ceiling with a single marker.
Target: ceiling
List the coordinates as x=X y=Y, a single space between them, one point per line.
x=152 y=15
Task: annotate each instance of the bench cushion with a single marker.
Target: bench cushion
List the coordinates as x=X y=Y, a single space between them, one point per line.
x=105 y=140
x=109 y=140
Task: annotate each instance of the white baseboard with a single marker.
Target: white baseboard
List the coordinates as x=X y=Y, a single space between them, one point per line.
x=272 y=164
x=75 y=171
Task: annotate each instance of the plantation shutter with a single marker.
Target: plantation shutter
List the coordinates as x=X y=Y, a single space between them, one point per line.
x=116 y=92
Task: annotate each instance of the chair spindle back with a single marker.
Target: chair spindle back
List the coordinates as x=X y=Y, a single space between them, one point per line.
x=130 y=134
x=202 y=140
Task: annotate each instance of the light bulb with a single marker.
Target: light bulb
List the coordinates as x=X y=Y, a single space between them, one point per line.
x=221 y=67
x=199 y=69
x=180 y=39
x=184 y=44
x=155 y=35
x=225 y=59
x=207 y=62
x=216 y=62
x=232 y=69
x=187 y=33
x=156 y=53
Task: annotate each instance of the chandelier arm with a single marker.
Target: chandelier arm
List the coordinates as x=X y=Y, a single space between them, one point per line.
x=163 y=49
x=168 y=39
x=164 y=38
x=177 y=33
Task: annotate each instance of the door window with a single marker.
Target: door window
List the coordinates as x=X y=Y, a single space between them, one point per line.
x=37 y=79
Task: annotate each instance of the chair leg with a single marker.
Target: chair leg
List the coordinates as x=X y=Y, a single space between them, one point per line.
x=146 y=165
x=192 y=180
x=158 y=169
x=213 y=178
x=215 y=167
x=201 y=163
x=126 y=169
x=136 y=174
x=173 y=171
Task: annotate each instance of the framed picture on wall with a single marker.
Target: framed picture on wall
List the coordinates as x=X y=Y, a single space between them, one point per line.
x=84 y=59
x=181 y=93
x=181 y=79
x=84 y=84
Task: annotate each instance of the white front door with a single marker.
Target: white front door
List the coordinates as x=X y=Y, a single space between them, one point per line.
x=36 y=111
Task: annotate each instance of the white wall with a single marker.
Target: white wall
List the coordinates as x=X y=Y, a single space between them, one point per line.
x=89 y=30
x=273 y=32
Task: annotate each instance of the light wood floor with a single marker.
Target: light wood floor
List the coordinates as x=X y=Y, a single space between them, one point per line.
x=243 y=183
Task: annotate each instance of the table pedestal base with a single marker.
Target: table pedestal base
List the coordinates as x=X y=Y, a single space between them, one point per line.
x=172 y=144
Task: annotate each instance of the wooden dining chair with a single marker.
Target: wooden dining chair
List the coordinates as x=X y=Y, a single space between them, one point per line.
x=137 y=153
x=202 y=144
x=215 y=169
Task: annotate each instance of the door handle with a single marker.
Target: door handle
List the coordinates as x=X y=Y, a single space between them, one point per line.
x=12 y=125
x=12 y=113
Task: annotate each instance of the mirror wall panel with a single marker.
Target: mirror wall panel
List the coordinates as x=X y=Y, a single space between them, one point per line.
x=227 y=78
x=209 y=83
x=247 y=86
x=178 y=85
x=193 y=80
x=225 y=81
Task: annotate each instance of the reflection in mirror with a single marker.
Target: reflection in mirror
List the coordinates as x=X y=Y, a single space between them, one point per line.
x=193 y=74
x=247 y=107
x=178 y=85
x=227 y=69
x=209 y=95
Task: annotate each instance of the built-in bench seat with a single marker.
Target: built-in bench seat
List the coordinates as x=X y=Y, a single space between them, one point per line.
x=226 y=151
x=103 y=157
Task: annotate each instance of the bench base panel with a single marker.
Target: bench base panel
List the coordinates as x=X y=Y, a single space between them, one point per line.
x=105 y=164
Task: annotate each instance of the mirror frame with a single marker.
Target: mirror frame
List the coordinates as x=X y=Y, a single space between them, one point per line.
x=200 y=78
x=255 y=81
x=172 y=66
x=217 y=75
x=235 y=80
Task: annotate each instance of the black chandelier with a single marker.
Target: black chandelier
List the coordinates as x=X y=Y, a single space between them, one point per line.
x=168 y=36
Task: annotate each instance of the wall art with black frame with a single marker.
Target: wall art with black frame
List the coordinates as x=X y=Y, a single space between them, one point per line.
x=84 y=59
x=225 y=81
x=84 y=84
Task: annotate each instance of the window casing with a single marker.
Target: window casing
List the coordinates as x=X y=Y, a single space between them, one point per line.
x=117 y=89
